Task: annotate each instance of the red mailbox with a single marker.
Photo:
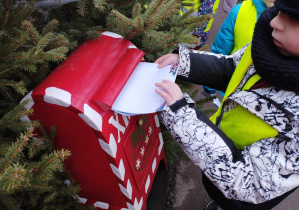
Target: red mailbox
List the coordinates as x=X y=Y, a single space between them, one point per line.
x=114 y=157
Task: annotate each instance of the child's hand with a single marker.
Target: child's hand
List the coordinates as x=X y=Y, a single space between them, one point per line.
x=172 y=92
x=167 y=60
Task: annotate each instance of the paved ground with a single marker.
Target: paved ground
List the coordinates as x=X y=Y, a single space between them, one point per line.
x=179 y=187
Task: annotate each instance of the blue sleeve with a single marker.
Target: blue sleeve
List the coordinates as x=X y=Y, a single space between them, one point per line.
x=224 y=41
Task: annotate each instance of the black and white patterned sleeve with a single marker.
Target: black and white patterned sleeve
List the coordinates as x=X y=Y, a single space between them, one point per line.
x=204 y=68
x=265 y=170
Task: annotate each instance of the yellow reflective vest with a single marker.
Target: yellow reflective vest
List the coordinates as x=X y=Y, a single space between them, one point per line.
x=239 y=124
x=244 y=25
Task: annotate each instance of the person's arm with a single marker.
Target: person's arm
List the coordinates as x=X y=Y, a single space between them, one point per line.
x=204 y=68
x=224 y=40
x=265 y=170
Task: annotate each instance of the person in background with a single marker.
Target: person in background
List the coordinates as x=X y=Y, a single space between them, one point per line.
x=237 y=29
x=249 y=150
x=205 y=7
x=202 y=7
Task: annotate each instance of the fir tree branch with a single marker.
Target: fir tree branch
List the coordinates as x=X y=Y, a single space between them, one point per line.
x=17 y=86
x=8 y=201
x=2 y=151
x=168 y=37
x=61 y=39
x=110 y=22
x=8 y=94
x=136 y=10
x=12 y=45
x=62 y=155
x=16 y=151
x=17 y=13
x=6 y=17
x=22 y=124
x=14 y=116
x=31 y=30
x=51 y=196
x=122 y=26
x=43 y=42
x=172 y=43
x=7 y=5
x=133 y=34
x=49 y=27
x=35 y=142
x=99 y=4
x=123 y=18
x=41 y=187
x=28 y=9
x=164 y=14
x=145 y=40
x=154 y=12
x=83 y=8
x=4 y=71
x=55 y=54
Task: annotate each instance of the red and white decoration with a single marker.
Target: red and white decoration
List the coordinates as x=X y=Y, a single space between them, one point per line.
x=114 y=157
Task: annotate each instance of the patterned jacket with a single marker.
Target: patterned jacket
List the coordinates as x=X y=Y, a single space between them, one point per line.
x=262 y=171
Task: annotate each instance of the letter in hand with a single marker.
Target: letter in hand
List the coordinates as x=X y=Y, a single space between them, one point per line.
x=171 y=91
x=167 y=60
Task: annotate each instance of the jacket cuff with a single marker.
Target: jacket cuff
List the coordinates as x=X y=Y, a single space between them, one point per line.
x=175 y=50
x=186 y=100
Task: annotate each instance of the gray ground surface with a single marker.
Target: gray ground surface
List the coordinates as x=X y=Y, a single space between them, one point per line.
x=179 y=187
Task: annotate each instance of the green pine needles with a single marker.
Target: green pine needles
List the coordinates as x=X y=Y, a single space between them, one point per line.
x=32 y=173
x=25 y=51
x=155 y=27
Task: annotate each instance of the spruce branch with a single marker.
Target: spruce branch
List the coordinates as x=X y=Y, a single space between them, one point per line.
x=123 y=18
x=100 y=4
x=163 y=40
x=12 y=178
x=37 y=145
x=15 y=151
x=163 y=13
x=12 y=46
x=17 y=13
x=43 y=42
x=31 y=30
x=52 y=162
x=57 y=54
x=7 y=94
x=28 y=9
x=43 y=142
x=82 y=7
x=136 y=11
x=49 y=27
x=11 y=120
x=152 y=10
x=49 y=198
x=17 y=86
x=58 y=41
x=206 y=99
x=8 y=201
